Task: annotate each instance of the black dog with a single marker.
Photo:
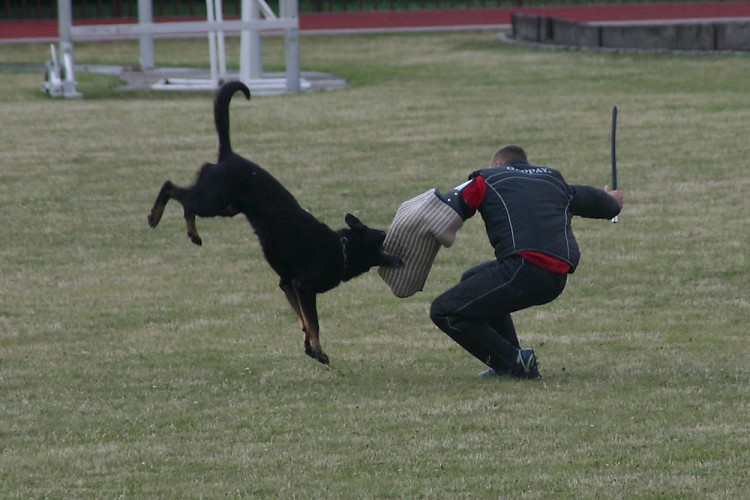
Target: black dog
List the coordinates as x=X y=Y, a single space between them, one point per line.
x=309 y=257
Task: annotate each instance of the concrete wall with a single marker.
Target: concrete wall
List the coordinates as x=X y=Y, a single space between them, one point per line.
x=672 y=36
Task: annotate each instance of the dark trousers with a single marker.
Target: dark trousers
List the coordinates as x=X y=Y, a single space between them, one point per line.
x=476 y=312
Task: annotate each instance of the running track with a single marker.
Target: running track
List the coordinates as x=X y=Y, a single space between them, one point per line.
x=343 y=22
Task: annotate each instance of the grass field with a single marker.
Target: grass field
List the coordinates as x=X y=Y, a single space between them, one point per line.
x=134 y=364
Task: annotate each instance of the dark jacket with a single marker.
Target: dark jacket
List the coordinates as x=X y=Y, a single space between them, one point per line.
x=528 y=208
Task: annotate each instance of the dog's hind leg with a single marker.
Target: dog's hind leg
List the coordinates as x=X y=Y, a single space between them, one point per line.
x=291 y=296
x=166 y=193
x=192 y=230
x=171 y=192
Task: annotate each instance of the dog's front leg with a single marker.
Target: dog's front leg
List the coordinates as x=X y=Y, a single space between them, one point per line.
x=309 y=310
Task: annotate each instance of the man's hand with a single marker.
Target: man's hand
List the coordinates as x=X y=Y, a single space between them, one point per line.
x=616 y=194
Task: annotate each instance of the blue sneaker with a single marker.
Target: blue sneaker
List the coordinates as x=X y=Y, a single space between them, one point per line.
x=491 y=373
x=526 y=365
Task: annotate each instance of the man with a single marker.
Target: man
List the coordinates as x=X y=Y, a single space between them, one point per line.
x=527 y=212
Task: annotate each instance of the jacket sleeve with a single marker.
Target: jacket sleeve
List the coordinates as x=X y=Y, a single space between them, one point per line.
x=465 y=198
x=591 y=202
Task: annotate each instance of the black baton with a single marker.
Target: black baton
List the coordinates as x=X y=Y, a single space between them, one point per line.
x=614 y=153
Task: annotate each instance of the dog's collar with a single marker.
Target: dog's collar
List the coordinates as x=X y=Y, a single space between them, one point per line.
x=344 y=241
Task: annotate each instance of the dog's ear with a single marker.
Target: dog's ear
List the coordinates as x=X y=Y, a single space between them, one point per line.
x=353 y=222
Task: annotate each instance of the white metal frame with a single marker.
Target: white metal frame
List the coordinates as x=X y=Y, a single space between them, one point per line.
x=250 y=26
x=60 y=78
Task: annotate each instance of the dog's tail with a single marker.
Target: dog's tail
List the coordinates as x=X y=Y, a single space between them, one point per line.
x=221 y=114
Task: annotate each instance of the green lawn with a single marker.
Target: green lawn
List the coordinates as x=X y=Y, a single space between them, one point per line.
x=134 y=364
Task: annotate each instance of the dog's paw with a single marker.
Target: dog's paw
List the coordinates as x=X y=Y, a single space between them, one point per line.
x=153 y=220
x=196 y=240
x=323 y=358
x=320 y=357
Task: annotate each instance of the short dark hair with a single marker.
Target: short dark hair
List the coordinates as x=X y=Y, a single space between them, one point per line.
x=508 y=154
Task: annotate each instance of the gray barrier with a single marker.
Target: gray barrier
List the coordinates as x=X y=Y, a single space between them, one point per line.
x=698 y=35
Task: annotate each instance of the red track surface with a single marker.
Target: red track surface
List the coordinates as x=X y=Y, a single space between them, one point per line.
x=426 y=19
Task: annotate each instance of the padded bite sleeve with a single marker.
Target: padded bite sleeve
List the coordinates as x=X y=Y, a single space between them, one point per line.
x=421 y=225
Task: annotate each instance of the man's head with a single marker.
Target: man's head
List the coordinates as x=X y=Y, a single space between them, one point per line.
x=508 y=154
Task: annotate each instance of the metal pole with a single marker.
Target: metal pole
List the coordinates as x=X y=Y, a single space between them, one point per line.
x=212 y=44
x=251 y=50
x=146 y=16
x=289 y=10
x=256 y=44
x=65 y=24
x=220 y=41
x=245 y=44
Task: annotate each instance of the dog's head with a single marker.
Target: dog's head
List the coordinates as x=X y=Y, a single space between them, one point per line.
x=363 y=248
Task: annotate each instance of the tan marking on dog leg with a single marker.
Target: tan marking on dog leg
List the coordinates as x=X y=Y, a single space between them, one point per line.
x=192 y=231
x=156 y=213
x=165 y=194
x=291 y=296
x=308 y=307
